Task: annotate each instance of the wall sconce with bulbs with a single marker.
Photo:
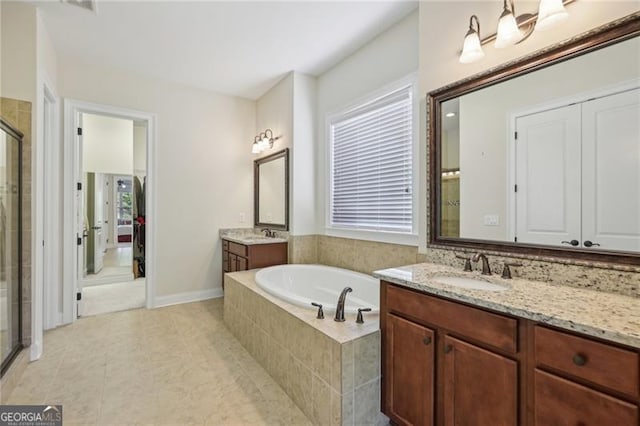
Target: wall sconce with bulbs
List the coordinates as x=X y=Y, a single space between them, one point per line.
x=512 y=29
x=263 y=141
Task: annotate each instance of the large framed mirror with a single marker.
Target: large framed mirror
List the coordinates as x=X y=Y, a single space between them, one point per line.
x=271 y=191
x=542 y=156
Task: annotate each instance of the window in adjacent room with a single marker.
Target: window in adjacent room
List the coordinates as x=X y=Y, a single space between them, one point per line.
x=372 y=164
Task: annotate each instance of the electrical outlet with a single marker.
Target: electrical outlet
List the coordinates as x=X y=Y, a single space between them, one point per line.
x=241 y=218
x=491 y=220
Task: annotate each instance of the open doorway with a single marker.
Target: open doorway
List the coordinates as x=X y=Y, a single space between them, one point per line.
x=111 y=213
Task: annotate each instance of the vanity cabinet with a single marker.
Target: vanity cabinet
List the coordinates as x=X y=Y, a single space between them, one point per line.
x=242 y=257
x=439 y=359
x=449 y=363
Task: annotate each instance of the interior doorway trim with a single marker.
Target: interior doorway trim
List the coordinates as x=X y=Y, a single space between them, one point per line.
x=72 y=110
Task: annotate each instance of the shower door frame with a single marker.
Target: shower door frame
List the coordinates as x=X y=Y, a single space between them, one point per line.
x=18 y=135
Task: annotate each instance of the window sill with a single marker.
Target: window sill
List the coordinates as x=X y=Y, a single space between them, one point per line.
x=377 y=236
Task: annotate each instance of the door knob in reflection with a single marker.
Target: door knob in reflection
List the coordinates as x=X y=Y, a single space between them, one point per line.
x=572 y=242
x=590 y=244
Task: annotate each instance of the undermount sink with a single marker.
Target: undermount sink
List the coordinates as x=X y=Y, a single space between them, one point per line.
x=470 y=283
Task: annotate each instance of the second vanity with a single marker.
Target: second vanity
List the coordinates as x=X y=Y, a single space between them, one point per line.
x=523 y=353
x=244 y=249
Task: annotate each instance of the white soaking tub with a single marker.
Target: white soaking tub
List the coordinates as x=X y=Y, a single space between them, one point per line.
x=303 y=284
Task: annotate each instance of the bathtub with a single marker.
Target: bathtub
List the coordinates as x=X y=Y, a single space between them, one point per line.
x=303 y=284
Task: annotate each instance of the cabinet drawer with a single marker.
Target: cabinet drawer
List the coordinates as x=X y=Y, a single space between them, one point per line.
x=583 y=358
x=486 y=327
x=239 y=249
x=562 y=402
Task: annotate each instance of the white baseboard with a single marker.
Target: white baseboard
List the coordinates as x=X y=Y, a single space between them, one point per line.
x=192 y=296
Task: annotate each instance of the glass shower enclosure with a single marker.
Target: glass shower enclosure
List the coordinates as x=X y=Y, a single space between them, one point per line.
x=10 y=243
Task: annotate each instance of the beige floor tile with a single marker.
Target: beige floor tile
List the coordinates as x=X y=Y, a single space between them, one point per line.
x=176 y=365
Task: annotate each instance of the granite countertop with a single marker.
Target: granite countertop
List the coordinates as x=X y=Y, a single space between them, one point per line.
x=248 y=236
x=605 y=315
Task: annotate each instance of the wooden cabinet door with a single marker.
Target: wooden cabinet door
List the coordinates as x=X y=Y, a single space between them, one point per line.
x=233 y=262
x=480 y=387
x=242 y=264
x=562 y=402
x=409 y=372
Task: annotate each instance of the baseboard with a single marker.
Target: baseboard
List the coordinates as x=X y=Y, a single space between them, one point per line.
x=192 y=296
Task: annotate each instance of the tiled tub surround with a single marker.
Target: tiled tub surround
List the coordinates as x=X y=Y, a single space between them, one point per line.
x=331 y=370
x=607 y=316
x=368 y=256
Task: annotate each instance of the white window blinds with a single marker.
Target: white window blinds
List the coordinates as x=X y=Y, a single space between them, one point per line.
x=371 y=154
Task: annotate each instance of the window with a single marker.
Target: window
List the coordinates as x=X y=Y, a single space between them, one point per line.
x=371 y=150
x=124 y=202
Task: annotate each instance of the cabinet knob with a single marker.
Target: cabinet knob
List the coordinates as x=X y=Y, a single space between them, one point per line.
x=579 y=360
x=426 y=340
x=448 y=348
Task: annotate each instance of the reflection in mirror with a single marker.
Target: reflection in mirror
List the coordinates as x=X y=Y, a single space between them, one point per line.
x=549 y=158
x=271 y=190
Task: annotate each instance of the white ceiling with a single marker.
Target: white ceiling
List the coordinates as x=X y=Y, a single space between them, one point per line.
x=235 y=47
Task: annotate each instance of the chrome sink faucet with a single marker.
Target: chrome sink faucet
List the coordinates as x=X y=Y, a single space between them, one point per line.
x=486 y=270
x=340 y=308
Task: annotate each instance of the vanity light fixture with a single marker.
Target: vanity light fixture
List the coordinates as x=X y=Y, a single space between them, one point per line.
x=263 y=141
x=513 y=29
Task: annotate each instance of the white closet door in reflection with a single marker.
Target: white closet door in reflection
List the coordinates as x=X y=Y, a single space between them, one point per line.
x=611 y=172
x=548 y=176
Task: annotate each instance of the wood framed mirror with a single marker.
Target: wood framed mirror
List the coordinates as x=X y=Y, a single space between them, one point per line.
x=271 y=191
x=541 y=156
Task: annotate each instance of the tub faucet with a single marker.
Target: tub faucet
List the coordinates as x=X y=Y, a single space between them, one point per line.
x=340 y=308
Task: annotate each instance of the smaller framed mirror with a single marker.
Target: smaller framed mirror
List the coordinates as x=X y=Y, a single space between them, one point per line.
x=271 y=191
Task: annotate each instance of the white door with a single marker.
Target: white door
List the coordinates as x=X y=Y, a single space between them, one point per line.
x=611 y=172
x=548 y=177
x=98 y=211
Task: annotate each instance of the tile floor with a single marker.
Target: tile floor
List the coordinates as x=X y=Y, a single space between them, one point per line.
x=173 y=365
x=116 y=265
x=102 y=299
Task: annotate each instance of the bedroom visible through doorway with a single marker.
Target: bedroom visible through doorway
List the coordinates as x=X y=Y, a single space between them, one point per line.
x=111 y=208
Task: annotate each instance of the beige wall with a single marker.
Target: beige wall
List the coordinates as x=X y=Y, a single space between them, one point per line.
x=107 y=145
x=139 y=151
x=203 y=166
x=288 y=108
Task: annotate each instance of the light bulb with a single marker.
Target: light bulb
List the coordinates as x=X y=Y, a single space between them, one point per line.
x=255 y=148
x=471 y=49
x=550 y=13
x=508 y=32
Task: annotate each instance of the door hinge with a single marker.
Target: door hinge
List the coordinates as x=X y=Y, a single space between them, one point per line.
x=79 y=131
x=515 y=239
x=516 y=135
x=79 y=240
x=79 y=296
x=515 y=188
x=79 y=186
